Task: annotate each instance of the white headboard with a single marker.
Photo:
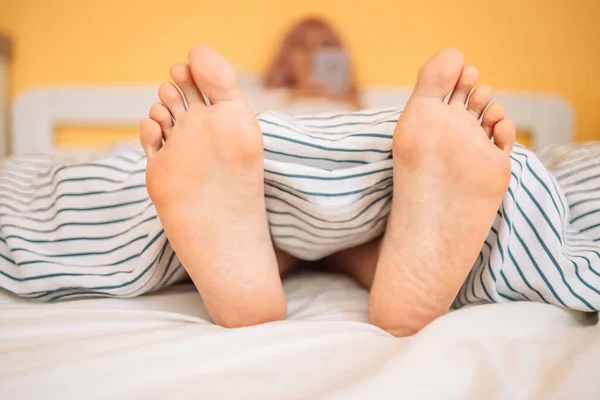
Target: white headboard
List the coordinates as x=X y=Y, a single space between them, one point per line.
x=37 y=112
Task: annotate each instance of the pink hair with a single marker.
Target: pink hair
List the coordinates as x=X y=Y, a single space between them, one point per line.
x=280 y=72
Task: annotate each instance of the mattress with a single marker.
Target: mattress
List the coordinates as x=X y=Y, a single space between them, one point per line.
x=163 y=346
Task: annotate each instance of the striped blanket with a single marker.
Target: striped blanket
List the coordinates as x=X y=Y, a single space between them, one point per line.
x=71 y=229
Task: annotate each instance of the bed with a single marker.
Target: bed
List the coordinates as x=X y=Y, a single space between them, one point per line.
x=163 y=345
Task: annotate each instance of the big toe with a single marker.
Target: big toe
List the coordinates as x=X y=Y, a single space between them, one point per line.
x=214 y=75
x=439 y=75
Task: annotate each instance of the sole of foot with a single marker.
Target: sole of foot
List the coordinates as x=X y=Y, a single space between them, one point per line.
x=451 y=171
x=205 y=177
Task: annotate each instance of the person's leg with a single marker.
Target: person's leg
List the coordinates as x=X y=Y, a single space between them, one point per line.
x=449 y=180
x=543 y=244
x=285 y=262
x=205 y=178
x=359 y=262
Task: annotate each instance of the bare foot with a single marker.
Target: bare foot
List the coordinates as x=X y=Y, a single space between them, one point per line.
x=449 y=180
x=206 y=182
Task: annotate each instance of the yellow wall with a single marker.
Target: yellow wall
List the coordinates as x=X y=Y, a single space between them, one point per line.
x=541 y=45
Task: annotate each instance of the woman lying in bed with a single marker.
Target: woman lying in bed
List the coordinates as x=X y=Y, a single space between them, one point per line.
x=457 y=215
x=207 y=176
x=312 y=71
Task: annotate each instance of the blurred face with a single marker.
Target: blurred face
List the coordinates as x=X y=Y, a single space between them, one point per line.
x=303 y=53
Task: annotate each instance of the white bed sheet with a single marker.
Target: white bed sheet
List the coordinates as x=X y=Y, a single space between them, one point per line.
x=161 y=346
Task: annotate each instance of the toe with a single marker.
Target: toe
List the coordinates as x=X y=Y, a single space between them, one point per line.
x=467 y=81
x=182 y=76
x=505 y=135
x=494 y=114
x=170 y=96
x=214 y=75
x=162 y=116
x=150 y=136
x=479 y=100
x=439 y=75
